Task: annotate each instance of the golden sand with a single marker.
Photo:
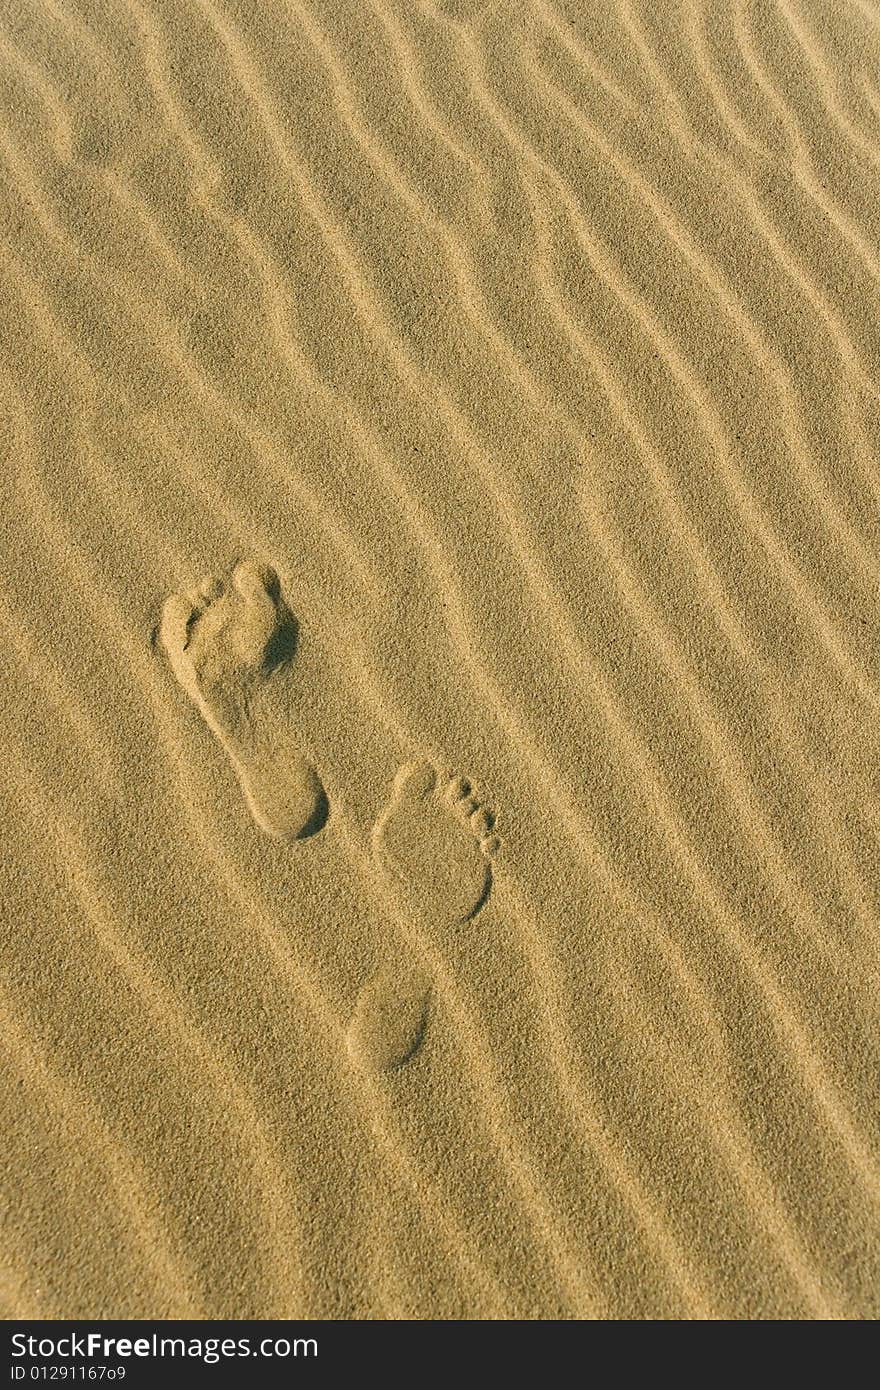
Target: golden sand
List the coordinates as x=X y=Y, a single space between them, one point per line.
x=441 y=659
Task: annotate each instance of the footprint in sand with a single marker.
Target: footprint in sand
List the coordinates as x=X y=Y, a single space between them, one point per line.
x=226 y=642
x=436 y=839
x=389 y=1019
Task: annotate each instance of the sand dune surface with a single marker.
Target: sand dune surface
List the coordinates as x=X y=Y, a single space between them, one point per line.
x=440 y=717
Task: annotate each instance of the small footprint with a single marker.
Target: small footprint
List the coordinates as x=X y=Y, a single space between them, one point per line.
x=437 y=839
x=225 y=641
x=389 y=1019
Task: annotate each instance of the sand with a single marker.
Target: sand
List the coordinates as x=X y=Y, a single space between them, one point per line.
x=440 y=612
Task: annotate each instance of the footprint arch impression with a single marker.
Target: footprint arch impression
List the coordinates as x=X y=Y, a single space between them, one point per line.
x=437 y=840
x=229 y=642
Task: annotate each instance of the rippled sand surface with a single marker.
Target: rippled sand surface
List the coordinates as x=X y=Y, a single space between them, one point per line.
x=440 y=507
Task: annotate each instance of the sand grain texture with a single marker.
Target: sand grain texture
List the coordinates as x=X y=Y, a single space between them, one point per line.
x=498 y=385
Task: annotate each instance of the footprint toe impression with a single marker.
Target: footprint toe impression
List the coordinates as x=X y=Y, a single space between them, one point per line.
x=431 y=836
x=482 y=821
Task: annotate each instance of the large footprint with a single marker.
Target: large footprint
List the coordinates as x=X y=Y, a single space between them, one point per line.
x=225 y=642
x=437 y=840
